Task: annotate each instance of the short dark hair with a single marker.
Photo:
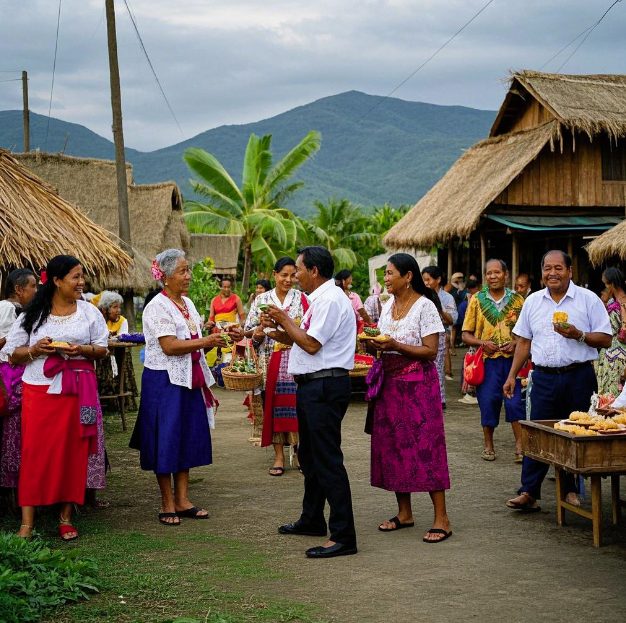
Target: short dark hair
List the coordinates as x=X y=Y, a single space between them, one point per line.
x=472 y=283
x=343 y=274
x=614 y=277
x=495 y=259
x=282 y=262
x=19 y=277
x=433 y=271
x=566 y=258
x=265 y=283
x=319 y=257
x=226 y=279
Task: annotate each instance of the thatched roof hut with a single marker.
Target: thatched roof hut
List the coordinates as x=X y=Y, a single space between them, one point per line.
x=223 y=249
x=156 y=217
x=552 y=173
x=36 y=224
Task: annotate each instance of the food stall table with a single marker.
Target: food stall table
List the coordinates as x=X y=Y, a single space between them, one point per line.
x=120 y=350
x=596 y=456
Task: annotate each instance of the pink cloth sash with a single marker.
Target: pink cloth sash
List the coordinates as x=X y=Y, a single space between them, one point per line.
x=394 y=366
x=78 y=378
x=198 y=380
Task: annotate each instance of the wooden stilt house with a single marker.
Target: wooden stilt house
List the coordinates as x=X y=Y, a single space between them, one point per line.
x=552 y=174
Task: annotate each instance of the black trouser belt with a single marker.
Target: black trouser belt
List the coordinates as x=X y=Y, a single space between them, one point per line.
x=320 y=374
x=563 y=369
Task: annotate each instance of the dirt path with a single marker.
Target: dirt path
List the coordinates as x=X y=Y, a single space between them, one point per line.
x=498 y=566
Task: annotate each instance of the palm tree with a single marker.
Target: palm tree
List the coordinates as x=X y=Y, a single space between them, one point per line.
x=254 y=211
x=341 y=227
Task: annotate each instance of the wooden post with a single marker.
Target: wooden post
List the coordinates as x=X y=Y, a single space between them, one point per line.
x=514 y=258
x=449 y=260
x=26 y=114
x=483 y=252
x=570 y=252
x=120 y=158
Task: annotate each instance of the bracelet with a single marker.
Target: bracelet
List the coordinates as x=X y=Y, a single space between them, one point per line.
x=30 y=354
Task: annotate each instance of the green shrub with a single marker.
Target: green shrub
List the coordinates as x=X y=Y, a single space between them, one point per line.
x=34 y=579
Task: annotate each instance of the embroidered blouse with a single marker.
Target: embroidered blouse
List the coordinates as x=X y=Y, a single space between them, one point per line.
x=85 y=326
x=421 y=320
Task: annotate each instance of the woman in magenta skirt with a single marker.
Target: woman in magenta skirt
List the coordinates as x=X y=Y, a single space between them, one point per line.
x=408 y=439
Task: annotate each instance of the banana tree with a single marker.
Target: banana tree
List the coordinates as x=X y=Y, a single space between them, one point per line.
x=256 y=210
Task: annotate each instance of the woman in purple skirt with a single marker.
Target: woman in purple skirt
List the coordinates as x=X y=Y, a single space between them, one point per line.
x=408 y=439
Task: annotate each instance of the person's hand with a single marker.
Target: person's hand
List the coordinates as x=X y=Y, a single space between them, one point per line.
x=76 y=350
x=258 y=335
x=509 y=387
x=277 y=315
x=570 y=332
x=209 y=324
x=235 y=333
x=214 y=341
x=508 y=348
x=489 y=347
x=387 y=345
x=42 y=347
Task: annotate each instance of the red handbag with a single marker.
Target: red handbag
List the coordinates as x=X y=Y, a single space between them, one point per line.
x=474 y=368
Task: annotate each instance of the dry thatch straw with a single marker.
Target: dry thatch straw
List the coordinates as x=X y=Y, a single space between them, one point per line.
x=36 y=224
x=590 y=104
x=156 y=217
x=452 y=208
x=610 y=244
x=223 y=249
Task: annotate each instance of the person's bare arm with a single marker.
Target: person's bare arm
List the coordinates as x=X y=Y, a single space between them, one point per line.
x=426 y=352
x=595 y=340
x=241 y=313
x=172 y=346
x=522 y=353
x=487 y=345
x=366 y=317
x=3 y=341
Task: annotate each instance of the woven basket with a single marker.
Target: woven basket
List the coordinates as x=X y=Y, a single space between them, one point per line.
x=241 y=382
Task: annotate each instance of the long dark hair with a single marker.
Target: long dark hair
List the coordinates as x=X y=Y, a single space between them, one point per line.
x=38 y=310
x=614 y=277
x=405 y=263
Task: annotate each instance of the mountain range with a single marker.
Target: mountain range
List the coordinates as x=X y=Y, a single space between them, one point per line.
x=374 y=149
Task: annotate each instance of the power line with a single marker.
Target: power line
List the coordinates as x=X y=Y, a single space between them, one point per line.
x=430 y=58
x=12 y=80
x=565 y=48
x=54 y=66
x=143 y=47
x=590 y=30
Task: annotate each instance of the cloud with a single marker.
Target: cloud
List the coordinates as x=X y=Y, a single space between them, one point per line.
x=222 y=62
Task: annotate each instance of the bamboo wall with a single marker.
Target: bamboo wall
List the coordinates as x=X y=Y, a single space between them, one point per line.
x=531 y=116
x=571 y=178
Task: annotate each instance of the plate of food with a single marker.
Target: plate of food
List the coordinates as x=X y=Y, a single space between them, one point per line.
x=61 y=345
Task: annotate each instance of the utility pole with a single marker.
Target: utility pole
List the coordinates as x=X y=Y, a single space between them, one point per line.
x=120 y=158
x=26 y=115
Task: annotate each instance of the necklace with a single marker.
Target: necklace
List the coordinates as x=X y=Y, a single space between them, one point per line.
x=68 y=312
x=184 y=310
x=396 y=317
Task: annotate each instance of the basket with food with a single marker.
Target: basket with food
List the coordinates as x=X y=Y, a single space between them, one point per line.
x=243 y=373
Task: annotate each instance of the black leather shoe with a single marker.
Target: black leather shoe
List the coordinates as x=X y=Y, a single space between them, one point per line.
x=338 y=549
x=297 y=527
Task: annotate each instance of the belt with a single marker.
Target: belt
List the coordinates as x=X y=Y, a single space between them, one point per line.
x=563 y=369
x=300 y=379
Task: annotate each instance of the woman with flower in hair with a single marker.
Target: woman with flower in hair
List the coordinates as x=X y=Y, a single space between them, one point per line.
x=176 y=411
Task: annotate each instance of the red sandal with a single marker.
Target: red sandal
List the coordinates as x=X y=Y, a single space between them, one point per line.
x=64 y=528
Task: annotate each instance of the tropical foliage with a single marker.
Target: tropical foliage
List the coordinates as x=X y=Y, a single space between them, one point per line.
x=204 y=287
x=256 y=210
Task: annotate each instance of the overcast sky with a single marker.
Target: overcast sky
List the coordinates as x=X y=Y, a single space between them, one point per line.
x=237 y=61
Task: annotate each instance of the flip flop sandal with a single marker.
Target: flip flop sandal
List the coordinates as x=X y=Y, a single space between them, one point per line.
x=488 y=455
x=281 y=471
x=398 y=525
x=527 y=507
x=64 y=528
x=193 y=513
x=437 y=531
x=164 y=516
x=100 y=504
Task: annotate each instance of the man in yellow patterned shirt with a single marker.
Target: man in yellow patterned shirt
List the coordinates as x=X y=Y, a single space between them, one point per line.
x=489 y=321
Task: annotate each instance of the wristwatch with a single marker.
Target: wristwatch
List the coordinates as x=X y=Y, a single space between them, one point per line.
x=582 y=338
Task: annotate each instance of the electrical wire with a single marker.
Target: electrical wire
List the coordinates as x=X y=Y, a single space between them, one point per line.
x=54 y=66
x=430 y=58
x=12 y=80
x=143 y=47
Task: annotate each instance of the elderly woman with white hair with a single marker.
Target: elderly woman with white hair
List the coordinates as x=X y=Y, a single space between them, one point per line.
x=110 y=304
x=176 y=411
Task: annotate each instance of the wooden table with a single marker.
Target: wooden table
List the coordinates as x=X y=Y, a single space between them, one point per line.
x=121 y=349
x=596 y=456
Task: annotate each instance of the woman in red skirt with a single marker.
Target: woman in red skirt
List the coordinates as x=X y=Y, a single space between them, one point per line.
x=57 y=338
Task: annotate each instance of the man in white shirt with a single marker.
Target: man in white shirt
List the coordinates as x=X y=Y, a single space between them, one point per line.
x=321 y=356
x=563 y=378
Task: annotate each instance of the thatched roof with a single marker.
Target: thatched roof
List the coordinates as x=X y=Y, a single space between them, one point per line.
x=454 y=205
x=156 y=217
x=590 y=104
x=610 y=244
x=222 y=249
x=36 y=224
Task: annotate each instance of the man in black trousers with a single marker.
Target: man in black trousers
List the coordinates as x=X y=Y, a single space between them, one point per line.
x=321 y=356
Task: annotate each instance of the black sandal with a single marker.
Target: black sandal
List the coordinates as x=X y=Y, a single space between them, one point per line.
x=276 y=468
x=193 y=513
x=164 y=516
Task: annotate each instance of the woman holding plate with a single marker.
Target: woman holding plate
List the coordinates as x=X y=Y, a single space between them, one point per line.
x=408 y=439
x=280 y=421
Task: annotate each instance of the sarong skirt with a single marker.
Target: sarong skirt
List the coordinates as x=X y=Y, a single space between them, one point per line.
x=175 y=434
x=54 y=455
x=408 y=439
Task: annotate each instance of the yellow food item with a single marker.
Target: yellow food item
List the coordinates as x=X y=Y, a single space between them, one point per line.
x=559 y=317
x=619 y=419
x=362 y=336
x=607 y=424
x=382 y=338
x=60 y=345
x=576 y=430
